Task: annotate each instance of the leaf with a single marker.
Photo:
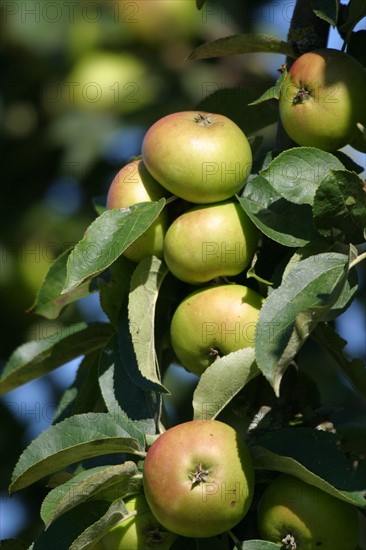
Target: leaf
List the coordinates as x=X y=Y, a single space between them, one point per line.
x=68 y=527
x=115 y=291
x=284 y=222
x=259 y=545
x=37 y=358
x=273 y=92
x=133 y=407
x=340 y=207
x=354 y=369
x=292 y=311
x=145 y=285
x=313 y=456
x=229 y=373
x=88 y=484
x=200 y=4
x=107 y=238
x=72 y=440
x=13 y=544
x=356 y=10
x=115 y=513
x=240 y=44
x=296 y=173
x=326 y=10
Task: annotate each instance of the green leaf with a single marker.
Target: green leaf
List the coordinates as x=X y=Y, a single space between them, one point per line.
x=115 y=291
x=241 y=43
x=37 y=358
x=115 y=513
x=356 y=10
x=72 y=440
x=273 y=92
x=229 y=373
x=133 y=407
x=354 y=369
x=107 y=238
x=123 y=478
x=259 y=545
x=50 y=302
x=296 y=173
x=67 y=528
x=284 y=222
x=13 y=544
x=292 y=311
x=313 y=456
x=326 y=10
x=145 y=285
x=340 y=207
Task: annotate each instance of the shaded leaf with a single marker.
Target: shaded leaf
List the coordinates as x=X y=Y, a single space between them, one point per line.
x=313 y=456
x=37 y=358
x=145 y=285
x=355 y=11
x=297 y=173
x=50 y=302
x=87 y=484
x=229 y=373
x=240 y=44
x=107 y=238
x=292 y=311
x=284 y=222
x=130 y=405
x=340 y=207
x=114 y=292
x=72 y=440
x=273 y=92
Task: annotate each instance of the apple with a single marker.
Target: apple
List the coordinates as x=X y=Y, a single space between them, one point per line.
x=295 y=514
x=104 y=80
x=200 y=157
x=138 y=531
x=323 y=98
x=198 y=478
x=212 y=322
x=133 y=184
x=210 y=241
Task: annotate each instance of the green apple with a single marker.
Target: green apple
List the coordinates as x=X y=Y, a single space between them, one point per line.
x=104 y=80
x=212 y=322
x=199 y=478
x=323 y=98
x=210 y=241
x=139 y=531
x=297 y=515
x=133 y=184
x=200 y=157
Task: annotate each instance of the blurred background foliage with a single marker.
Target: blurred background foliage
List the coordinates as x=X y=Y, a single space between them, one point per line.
x=81 y=82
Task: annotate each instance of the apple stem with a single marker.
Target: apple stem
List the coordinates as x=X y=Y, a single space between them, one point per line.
x=235 y=540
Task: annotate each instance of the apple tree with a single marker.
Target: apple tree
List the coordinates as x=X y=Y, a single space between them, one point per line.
x=228 y=261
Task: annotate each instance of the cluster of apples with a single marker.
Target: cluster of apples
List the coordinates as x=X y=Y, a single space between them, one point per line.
x=203 y=159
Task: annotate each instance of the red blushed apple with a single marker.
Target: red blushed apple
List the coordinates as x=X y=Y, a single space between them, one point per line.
x=200 y=157
x=133 y=184
x=323 y=98
x=199 y=478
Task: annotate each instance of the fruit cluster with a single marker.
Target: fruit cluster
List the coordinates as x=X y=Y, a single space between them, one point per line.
x=203 y=159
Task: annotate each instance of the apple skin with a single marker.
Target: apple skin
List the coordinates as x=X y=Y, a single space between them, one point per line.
x=212 y=322
x=314 y=518
x=210 y=241
x=323 y=98
x=133 y=184
x=217 y=500
x=138 y=532
x=200 y=157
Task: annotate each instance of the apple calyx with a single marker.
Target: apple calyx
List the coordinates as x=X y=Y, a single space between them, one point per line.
x=203 y=120
x=215 y=353
x=302 y=95
x=289 y=542
x=199 y=476
x=155 y=537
